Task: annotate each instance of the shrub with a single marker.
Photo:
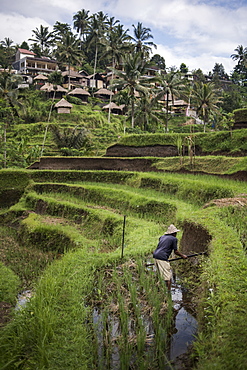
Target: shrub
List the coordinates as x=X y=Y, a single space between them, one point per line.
x=240 y=115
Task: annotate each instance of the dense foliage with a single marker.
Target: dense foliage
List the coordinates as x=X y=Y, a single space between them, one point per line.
x=146 y=87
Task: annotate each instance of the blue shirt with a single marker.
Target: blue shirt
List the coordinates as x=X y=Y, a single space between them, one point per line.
x=167 y=244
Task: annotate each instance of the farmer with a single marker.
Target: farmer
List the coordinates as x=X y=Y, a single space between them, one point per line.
x=167 y=243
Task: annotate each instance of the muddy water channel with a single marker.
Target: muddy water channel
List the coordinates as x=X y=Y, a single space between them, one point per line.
x=185 y=327
x=138 y=325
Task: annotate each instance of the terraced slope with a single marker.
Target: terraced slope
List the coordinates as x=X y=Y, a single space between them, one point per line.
x=79 y=217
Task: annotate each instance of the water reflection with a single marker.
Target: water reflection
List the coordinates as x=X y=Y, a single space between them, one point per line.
x=185 y=324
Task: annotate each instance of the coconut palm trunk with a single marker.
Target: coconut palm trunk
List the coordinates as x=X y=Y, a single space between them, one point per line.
x=109 y=111
x=133 y=111
x=95 y=65
x=5 y=146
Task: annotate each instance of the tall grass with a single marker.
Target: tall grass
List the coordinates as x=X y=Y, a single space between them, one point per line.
x=223 y=313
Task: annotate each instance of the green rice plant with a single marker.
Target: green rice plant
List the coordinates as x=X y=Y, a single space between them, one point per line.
x=133 y=287
x=26 y=263
x=9 y=284
x=236 y=216
x=224 y=291
x=124 y=344
x=50 y=332
x=46 y=237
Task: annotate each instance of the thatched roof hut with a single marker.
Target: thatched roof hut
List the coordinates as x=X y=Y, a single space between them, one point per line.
x=40 y=80
x=80 y=93
x=63 y=106
x=51 y=88
x=104 y=94
x=114 y=108
x=41 y=77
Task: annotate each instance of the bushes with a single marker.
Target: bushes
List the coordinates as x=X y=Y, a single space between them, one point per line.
x=240 y=115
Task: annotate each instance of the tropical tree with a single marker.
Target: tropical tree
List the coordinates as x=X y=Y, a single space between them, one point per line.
x=183 y=68
x=116 y=44
x=43 y=37
x=205 y=98
x=219 y=71
x=55 y=78
x=147 y=112
x=81 y=23
x=7 y=42
x=96 y=32
x=170 y=85
x=68 y=52
x=141 y=35
x=240 y=56
x=60 y=30
x=133 y=79
x=7 y=52
x=159 y=61
x=8 y=111
x=111 y=23
x=24 y=45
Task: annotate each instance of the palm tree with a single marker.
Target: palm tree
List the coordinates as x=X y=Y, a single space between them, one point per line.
x=141 y=35
x=133 y=79
x=68 y=52
x=204 y=97
x=43 y=37
x=97 y=29
x=81 y=23
x=148 y=112
x=7 y=53
x=7 y=42
x=240 y=55
x=60 y=30
x=116 y=45
x=56 y=79
x=170 y=87
x=111 y=23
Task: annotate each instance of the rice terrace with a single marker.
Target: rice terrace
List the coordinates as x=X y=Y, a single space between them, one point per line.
x=79 y=244
x=103 y=149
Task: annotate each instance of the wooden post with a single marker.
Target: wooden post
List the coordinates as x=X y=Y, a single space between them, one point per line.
x=124 y=222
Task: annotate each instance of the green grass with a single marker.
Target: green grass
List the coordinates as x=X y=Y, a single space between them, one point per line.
x=10 y=284
x=224 y=308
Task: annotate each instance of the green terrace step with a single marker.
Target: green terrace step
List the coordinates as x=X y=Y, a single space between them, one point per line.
x=121 y=200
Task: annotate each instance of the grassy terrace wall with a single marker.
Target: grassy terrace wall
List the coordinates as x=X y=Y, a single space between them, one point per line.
x=79 y=214
x=215 y=142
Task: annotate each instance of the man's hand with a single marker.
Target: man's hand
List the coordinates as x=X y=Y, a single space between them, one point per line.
x=184 y=256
